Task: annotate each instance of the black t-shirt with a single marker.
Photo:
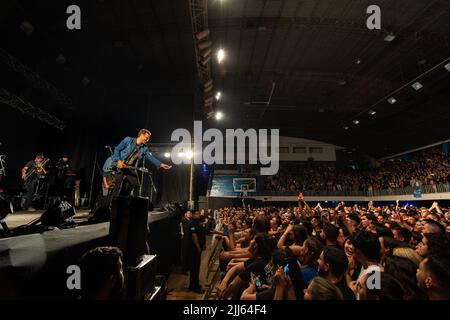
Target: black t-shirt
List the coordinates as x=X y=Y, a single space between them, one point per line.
x=257 y=268
x=185 y=225
x=346 y=291
x=196 y=227
x=31 y=165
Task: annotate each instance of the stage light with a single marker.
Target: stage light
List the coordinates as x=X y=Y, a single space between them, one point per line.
x=220 y=55
x=27 y=27
x=356 y=122
x=346 y=127
x=417 y=86
x=219 y=115
x=389 y=37
x=392 y=100
x=202 y=34
x=189 y=154
x=447 y=66
x=342 y=82
x=372 y=112
x=357 y=61
x=167 y=155
x=218 y=95
x=181 y=154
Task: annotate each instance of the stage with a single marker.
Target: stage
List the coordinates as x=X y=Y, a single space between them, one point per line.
x=20 y=218
x=34 y=263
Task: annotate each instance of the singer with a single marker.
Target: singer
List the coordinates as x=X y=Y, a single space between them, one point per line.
x=123 y=162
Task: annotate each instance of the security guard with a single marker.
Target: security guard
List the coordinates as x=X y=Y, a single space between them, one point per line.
x=198 y=240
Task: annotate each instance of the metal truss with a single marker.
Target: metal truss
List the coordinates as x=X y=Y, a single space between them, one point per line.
x=199 y=20
x=28 y=109
x=35 y=79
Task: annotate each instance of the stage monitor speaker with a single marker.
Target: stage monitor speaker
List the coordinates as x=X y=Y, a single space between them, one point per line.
x=128 y=227
x=60 y=215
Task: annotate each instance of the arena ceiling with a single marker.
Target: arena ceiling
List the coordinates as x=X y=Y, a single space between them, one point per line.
x=308 y=67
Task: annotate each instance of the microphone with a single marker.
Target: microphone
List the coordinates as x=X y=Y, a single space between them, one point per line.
x=107 y=147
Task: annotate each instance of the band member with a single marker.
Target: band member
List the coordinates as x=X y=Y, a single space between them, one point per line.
x=33 y=174
x=124 y=159
x=64 y=179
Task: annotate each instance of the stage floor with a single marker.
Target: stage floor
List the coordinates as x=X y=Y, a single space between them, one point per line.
x=20 y=218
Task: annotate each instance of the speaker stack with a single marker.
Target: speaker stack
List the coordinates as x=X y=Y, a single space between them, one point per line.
x=128 y=230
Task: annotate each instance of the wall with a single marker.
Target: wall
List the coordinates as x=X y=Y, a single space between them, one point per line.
x=293 y=144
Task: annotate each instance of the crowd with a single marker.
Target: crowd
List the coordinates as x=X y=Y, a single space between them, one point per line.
x=342 y=253
x=426 y=167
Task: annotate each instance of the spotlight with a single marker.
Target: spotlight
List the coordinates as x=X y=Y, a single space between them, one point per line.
x=342 y=82
x=218 y=95
x=389 y=37
x=189 y=154
x=417 y=85
x=27 y=27
x=220 y=55
x=181 y=154
x=357 y=61
x=447 y=66
x=372 y=112
x=167 y=155
x=392 y=100
x=219 y=115
x=346 y=127
x=356 y=122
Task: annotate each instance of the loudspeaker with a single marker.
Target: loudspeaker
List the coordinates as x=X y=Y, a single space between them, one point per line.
x=101 y=212
x=58 y=215
x=128 y=227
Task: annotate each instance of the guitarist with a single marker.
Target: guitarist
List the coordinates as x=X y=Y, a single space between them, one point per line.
x=124 y=160
x=32 y=174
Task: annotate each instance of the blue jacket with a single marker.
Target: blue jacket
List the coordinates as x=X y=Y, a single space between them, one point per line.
x=123 y=151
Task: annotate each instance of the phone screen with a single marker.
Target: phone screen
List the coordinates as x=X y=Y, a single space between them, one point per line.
x=256 y=280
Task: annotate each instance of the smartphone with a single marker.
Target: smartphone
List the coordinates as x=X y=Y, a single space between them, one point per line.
x=256 y=280
x=286 y=269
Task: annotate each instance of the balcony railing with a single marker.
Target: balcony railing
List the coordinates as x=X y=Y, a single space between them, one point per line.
x=439 y=188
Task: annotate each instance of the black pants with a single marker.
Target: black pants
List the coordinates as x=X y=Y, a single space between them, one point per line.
x=194 y=269
x=34 y=187
x=185 y=254
x=125 y=182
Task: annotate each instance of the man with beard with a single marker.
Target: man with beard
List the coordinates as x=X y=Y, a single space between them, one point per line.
x=102 y=274
x=433 y=275
x=333 y=265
